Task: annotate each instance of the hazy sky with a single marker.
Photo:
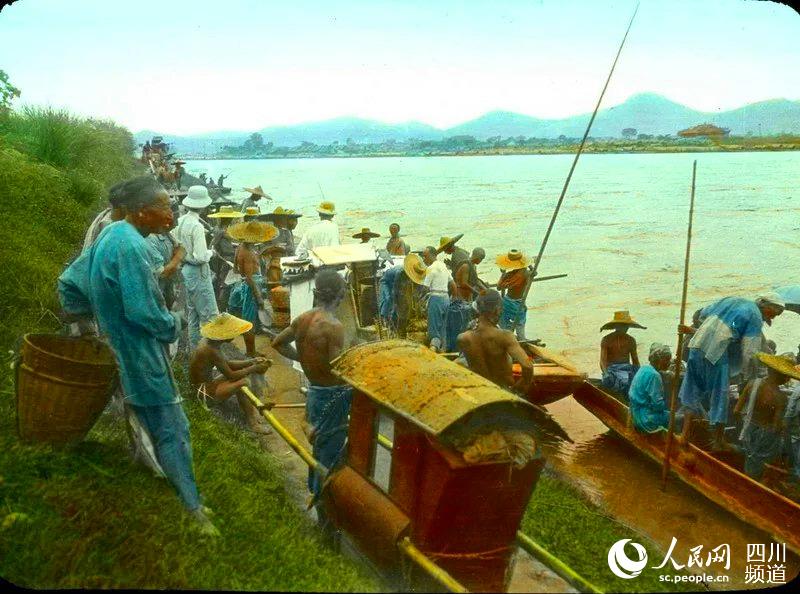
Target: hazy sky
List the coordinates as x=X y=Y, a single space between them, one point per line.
x=192 y=66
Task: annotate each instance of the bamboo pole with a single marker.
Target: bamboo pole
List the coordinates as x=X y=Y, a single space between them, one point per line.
x=574 y=163
x=679 y=352
x=440 y=575
x=556 y=564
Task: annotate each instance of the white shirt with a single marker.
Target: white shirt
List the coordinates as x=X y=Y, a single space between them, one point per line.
x=191 y=234
x=437 y=277
x=322 y=234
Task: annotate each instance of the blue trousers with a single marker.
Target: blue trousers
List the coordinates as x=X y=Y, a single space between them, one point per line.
x=514 y=316
x=169 y=429
x=437 y=319
x=459 y=314
x=760 y=446
x=201 y=302
x=619 y=376
x=704 y=390
x=327 y=409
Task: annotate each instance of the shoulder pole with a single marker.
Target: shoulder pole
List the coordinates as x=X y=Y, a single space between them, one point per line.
x=679 y=352
x=575 y=162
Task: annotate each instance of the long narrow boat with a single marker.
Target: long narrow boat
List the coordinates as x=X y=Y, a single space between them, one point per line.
x=716 y=479
x=554 y=376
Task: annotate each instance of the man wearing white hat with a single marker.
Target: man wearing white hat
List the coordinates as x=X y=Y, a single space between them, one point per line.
x=723 y=346
x=324 y=233
x=201 y=304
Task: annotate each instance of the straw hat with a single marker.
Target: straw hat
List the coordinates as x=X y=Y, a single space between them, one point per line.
x=783 y=365
x=180 y=162
x=226 y=212
x=258 y=191
x=445 y=242
x=326 y=207
x=415 y=268
x=224 y=326
x=252 y=211
x=252 y=232
x=278 y=212
x=291 y=213
x=622 y=318
x=513 y=260
x=197 y=197
x=366 y=234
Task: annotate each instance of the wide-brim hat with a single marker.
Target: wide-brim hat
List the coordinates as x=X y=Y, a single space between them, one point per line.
x=622 y=318
x=252 y=211
x=326 y=207
x=180 y=162
x=278 y=212
x=197 y=197
x=224 y=326
x=252 y=232
x=415 y=268
x=258 y=191
x=366 y=234
x=513 y=260
x=783 y=365
x=291 y=213
x=446 y=242
x=226 y=212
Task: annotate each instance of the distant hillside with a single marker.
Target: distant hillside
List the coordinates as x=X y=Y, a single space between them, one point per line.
x=647 y=113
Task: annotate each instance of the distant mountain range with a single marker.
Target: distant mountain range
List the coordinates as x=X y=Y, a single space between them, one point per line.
x=648 y=113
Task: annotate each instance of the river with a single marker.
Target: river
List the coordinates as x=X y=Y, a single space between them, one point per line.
x=620 y=237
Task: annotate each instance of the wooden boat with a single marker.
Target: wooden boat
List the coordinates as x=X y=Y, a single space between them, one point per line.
x=715 y=477
x=554 y=376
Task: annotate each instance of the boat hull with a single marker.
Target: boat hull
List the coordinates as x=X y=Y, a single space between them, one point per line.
x=723 y=484
x=554 y=377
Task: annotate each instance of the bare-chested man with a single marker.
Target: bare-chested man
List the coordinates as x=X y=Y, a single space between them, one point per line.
x=319 y=339
x=619 y=360
x=762 y=405
x=396 y=246
x=490 y=351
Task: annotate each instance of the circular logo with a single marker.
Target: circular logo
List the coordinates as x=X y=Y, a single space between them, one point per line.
x=623 y=566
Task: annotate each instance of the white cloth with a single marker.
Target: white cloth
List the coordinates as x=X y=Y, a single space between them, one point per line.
x=99 y=223
x=322 y=234
x=191 y=234
x=438 y=277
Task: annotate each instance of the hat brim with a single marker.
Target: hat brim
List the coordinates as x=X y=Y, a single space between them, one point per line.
x=409 y=263
x=326 y=212
x=226 y=332
x=366 y=235
x=243 y=234
x=506 y=263
x=779 y=364
x=193 y=203
x=226 y=215
x=611 y=325
x=258 y=192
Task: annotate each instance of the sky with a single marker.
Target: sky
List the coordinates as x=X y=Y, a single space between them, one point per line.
x=185 y=67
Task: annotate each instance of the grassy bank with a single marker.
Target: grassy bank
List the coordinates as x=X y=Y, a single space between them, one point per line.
x=89 y=517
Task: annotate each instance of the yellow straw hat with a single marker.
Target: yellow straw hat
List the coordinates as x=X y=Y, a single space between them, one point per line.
x=252 y=211
x=783 y=365
x=226 y=212
x=513 y=260
x=415 y=268
x=258 y=191
x=622 y=318
x=445 y=242
x=326 y=207
x=224 y=326
x=366 y=233
x=252 y=232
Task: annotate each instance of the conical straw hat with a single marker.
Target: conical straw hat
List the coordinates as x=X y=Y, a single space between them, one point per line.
x=622 y=318
x=445 y=242
x=415 y=268
x=783 y=365
x=513 y=260
x=365 y=232
x=258 y=191
x=226 y=212
x=252 y=232
x=224 y=327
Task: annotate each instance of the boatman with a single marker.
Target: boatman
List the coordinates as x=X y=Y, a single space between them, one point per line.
x=457 y=254
x=440 y=285
x=255 y=199
x=396 y=246
x=322 y=234
x=618 y=357
x=201 y=303
x=723 y=347
x=516 y=271
x=291 y=225
x=649 y=409
x=762 y=405
x=468 y=285
x=366 y=236
x=490 y=351
x=319 y=339
x=387 y=304
x=114 y=281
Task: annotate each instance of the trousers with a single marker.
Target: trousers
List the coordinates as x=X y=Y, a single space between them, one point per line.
x=201 y=303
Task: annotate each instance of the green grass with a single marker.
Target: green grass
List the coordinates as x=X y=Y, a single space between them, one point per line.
x=577 y=531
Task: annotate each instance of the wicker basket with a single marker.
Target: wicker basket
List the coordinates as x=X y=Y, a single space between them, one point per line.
x=63 y=384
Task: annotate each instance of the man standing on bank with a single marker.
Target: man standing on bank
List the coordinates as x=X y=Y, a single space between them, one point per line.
x=440 y=285
x=324 y=233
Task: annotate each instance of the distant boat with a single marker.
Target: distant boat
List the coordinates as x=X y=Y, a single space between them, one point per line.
x=709 y=130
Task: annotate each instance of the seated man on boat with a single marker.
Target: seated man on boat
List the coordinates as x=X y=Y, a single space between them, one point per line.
x=322 y=234
x=619 y=360
x=762 y=405
x=437 y=279
x=512 y=284
x=396 y=246
x=649 y=409
x=722 y=348
x=319 y=339
x=490 y=351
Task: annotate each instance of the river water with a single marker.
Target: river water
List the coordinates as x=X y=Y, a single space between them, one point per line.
x=620 y=237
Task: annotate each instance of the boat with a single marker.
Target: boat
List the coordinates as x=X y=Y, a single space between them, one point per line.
x=716 y=477
x=554 y=376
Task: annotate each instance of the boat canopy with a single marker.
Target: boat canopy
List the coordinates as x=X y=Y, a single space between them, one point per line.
x=437 y=395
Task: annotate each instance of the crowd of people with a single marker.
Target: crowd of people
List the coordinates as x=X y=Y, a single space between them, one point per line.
x=730 y=377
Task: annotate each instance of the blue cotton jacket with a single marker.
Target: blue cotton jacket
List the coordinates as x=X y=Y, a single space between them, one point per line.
x=114 y=281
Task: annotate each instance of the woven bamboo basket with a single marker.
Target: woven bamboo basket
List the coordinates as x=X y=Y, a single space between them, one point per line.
x=63 y=384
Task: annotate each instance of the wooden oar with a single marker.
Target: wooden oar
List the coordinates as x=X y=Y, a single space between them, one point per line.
x=679 y=351
x=574 y=163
